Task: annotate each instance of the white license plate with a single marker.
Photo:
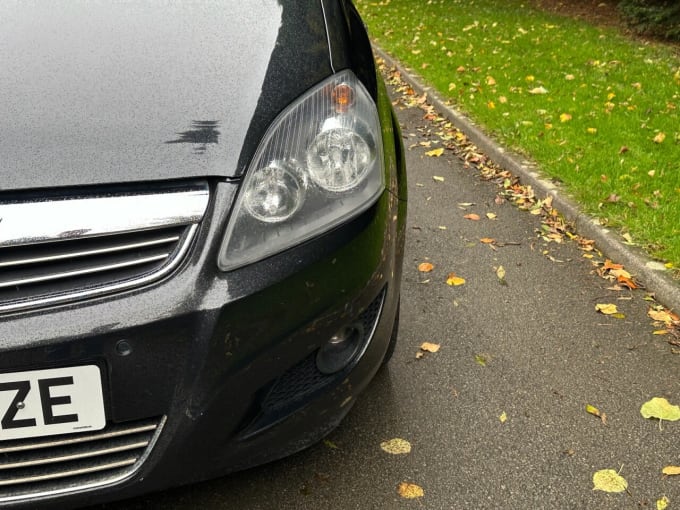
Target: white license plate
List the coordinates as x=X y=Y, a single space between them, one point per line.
x=48 y=402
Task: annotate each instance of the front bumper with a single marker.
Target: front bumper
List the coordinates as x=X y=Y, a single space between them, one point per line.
x=206 y=350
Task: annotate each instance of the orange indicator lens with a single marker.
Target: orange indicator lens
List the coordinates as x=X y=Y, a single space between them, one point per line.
x=343 y=97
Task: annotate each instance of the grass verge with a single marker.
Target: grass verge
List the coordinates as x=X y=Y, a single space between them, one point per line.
x=597 y=111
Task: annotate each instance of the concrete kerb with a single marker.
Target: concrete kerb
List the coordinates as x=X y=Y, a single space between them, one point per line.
x=654 y=276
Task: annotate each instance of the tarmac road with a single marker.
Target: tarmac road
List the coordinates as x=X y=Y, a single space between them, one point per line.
x=547 y=354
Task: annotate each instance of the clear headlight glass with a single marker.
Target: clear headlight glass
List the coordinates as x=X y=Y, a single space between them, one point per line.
x=319 y=164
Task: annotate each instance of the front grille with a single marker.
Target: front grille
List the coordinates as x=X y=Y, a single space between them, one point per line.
x=31 y=468
x=64 y=249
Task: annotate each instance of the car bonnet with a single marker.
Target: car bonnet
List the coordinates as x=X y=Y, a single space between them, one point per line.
x=116 y=92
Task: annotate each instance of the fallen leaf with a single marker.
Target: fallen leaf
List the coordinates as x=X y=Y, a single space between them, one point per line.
x=608 y=264
x=330 y=444
x=480 y=359
x=660 y=332
x=500 y=273
x=396 y=446
x=491 y=216
x=454 y=280
x=538 y=90
x=592 y=410
x=662 y=316
x=410 y=490
x=472 y=217
x=437 y=178
x=662 y=504
x=503 y=417
x=606 y=309
x=435 y=153
x=660 y=408
x=660 y=137
x=429 y=347
x=608 y=480
x=425 y=267
x=487 y=240
x=565 y=117
x=627 y=282
x=671 y=470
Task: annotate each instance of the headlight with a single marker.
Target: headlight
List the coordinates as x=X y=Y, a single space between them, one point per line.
x=318 y=165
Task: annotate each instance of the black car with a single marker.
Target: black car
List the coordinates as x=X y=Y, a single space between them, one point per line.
x=202 y=210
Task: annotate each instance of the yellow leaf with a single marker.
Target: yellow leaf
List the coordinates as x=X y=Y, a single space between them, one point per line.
x=427 y=346
x=503 y=417
x=491 y=105
x=671 y=470
x=425 y=267
x=396 y=446
x=660 y=408
x=435 y=153
x=660 y=137
x=490 y=81
x=437 y=178
x=454 y=280
x=662 y=504
x=491 y=216
x=500 y=273
x=591 y=130
x=502 y=99
x=592 y=410
x=607 y=309
x=565 y=117
x=609 y=480
x=660 y=332
x=530 y=78
x=410 y=490
x=662 y=316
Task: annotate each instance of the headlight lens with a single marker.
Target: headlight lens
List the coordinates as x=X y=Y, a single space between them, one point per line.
x=319 y=164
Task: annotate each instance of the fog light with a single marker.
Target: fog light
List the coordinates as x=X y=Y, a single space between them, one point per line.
x=341 y=349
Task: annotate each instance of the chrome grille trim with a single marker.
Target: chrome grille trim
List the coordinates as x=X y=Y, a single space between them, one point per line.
x=87 y=253
x=105 y=464
x=50 y=220
x=104 y=244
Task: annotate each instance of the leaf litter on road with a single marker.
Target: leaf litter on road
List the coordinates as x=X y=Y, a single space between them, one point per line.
x=396 y=446
x=660 y=408
x=409 y=490
x=608 y=480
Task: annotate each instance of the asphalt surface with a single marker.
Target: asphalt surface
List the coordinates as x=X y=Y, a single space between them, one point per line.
x=533 y=348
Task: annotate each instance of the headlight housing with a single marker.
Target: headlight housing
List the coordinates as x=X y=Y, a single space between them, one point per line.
x=319 y=164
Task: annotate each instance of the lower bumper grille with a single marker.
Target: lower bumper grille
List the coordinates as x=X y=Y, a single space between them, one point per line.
x=31 y=468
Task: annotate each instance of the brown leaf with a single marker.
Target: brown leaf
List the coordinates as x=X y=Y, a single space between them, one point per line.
x=472 y=216
x=487 y=240
x=425 y=267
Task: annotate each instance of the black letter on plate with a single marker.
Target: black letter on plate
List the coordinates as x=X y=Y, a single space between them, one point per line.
x=48 y=401
x=22 y=388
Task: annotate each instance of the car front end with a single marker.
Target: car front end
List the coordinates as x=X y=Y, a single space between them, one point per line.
x=196 y=276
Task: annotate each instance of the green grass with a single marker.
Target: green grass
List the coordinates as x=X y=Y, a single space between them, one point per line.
x=608 y=98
